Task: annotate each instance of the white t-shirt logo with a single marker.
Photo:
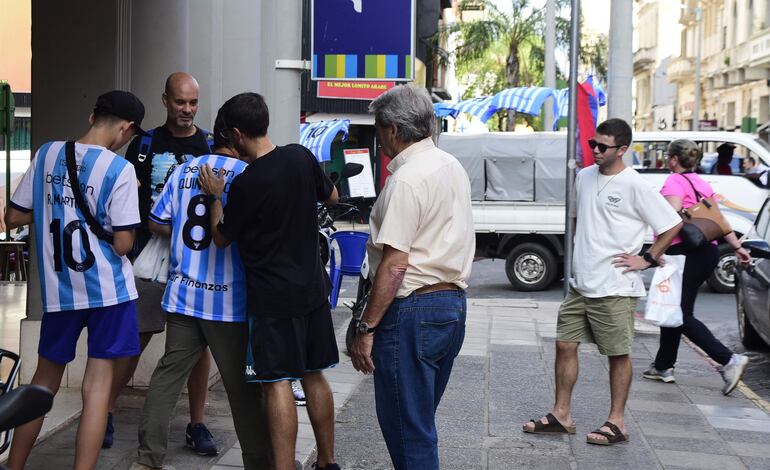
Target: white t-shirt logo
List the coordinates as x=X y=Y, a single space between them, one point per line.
x=613 y=200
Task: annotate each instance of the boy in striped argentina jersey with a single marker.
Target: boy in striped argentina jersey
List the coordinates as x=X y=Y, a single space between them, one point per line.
x=85 y=281
x=206 y=303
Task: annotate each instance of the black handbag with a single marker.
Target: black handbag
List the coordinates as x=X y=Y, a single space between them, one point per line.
x=72 y=174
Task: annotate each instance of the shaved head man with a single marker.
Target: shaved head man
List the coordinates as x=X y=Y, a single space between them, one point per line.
x=180 y=99
x=155 y=158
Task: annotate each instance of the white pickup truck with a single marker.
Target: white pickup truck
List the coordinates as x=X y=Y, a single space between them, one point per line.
x=518 y=187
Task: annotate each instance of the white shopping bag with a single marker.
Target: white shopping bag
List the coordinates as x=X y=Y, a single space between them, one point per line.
x=664 y=299
x=152 y=262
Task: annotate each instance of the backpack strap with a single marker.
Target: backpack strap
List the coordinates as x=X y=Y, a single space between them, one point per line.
x=209 y=139
x=72 y=174
x=144 y=145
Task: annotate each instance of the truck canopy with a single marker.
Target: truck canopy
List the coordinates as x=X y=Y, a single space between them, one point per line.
x=511 y=167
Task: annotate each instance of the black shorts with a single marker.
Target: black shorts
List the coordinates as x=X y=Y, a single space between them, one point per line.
x=287 y=348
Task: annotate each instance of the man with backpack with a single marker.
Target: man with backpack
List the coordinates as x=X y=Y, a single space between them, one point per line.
x=155 y=157
x=82 y=199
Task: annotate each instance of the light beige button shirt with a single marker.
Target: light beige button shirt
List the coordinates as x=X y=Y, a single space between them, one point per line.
x=425 y=210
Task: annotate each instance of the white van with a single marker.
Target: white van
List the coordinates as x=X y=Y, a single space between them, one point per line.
x=518 y=187
x=648 y=148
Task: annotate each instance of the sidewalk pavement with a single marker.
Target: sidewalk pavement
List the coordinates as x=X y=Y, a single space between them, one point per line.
x=502 y=378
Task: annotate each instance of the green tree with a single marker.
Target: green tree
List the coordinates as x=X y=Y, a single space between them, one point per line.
x=504 y=49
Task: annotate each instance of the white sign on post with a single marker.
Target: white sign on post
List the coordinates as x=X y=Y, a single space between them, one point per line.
x=361 y=185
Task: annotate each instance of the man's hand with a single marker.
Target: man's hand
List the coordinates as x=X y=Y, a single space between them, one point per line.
x=361 y=353
x=210 y=183
x=632 y=262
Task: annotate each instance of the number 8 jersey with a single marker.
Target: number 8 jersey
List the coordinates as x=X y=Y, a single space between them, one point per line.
x=204 y=281
x=77 y=270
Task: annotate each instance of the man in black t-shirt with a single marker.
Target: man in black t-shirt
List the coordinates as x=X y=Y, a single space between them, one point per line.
x=154 y=159
x=271 y=215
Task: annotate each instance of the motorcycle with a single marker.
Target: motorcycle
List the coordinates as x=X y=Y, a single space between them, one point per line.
x=327 y=214
x=19 y=405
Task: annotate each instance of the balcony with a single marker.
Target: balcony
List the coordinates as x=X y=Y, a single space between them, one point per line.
x=759 y=49
x=644 y=57
x=681 y=69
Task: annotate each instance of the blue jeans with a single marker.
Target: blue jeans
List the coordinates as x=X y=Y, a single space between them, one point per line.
x=414 y=349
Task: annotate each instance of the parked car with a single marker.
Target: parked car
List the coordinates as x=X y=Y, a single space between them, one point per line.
x=752 y=285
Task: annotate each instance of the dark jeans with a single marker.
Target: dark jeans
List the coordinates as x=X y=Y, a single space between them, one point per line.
x=414 y=349
x=697 y=268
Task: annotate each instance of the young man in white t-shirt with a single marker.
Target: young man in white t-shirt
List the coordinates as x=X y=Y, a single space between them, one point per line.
x=614 y=207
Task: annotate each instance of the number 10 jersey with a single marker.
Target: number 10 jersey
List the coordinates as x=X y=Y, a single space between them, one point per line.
x=204 y=281
x=77 y=270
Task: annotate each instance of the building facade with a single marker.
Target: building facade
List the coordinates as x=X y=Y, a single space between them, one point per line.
x=655 y=46
x=735 y=64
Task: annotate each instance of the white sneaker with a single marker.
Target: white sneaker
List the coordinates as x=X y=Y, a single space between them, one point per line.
x=299 y=395
x=733 y=371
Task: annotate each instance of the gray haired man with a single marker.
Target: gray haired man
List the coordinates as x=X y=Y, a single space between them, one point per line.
x=421 y=249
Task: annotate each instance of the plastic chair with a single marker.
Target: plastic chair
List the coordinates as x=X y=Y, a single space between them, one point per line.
x=352 y=246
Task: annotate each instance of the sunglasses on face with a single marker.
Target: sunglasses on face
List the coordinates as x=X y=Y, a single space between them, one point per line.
x=602 y=147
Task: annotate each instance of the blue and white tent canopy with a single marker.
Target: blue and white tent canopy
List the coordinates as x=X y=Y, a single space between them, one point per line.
x=526 y=100
x=479 y=107
x=318 y=136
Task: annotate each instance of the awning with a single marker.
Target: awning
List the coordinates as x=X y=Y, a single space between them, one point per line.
x=318 y=136
x=528 y=100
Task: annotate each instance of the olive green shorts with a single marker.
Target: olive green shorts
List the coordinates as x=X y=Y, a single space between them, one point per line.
x=606 y=321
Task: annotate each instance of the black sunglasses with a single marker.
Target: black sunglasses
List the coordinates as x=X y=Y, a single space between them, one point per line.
x=602 y=147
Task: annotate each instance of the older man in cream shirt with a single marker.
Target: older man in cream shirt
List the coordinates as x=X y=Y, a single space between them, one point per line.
x=421 y=250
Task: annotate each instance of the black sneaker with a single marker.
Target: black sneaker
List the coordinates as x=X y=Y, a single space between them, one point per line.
x=329 y=466
x=200 y=440
x=108 y=433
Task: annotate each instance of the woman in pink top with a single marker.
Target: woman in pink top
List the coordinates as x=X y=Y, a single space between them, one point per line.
x=680 y=191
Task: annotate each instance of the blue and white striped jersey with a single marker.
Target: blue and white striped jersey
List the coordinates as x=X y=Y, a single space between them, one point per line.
x=77 y=270
x=204 y=281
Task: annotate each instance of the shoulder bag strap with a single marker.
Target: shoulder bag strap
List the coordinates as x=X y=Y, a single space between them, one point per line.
x=698 y=196
x=72 y=173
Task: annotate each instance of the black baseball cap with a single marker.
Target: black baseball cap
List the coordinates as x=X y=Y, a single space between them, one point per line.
x=122 y=104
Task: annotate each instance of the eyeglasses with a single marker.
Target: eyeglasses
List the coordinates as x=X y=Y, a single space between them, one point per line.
x=602 y=147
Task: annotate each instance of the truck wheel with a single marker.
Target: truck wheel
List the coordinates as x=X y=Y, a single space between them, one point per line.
x=530 y=267
x=722 y=280
x=749 y=336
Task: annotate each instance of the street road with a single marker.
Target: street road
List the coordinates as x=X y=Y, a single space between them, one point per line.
x=488 y=280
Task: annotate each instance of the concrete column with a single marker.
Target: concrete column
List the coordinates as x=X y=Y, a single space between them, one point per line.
x=281 y=40
x=159 y=46
x=621 y=60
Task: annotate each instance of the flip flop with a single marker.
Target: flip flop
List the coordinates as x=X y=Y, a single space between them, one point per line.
x=615 y=437
x=552 y=427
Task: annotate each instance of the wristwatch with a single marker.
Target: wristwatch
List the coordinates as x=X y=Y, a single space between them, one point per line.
x=648 y=257
x=363 y=328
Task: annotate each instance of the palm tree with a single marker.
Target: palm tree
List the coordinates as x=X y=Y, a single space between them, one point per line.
x=504 y=49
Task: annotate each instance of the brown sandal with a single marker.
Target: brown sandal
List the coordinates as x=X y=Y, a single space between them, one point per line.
x=552 y=427
x=615 y=437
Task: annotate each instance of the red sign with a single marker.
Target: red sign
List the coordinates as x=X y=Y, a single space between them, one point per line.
x=352 y=90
